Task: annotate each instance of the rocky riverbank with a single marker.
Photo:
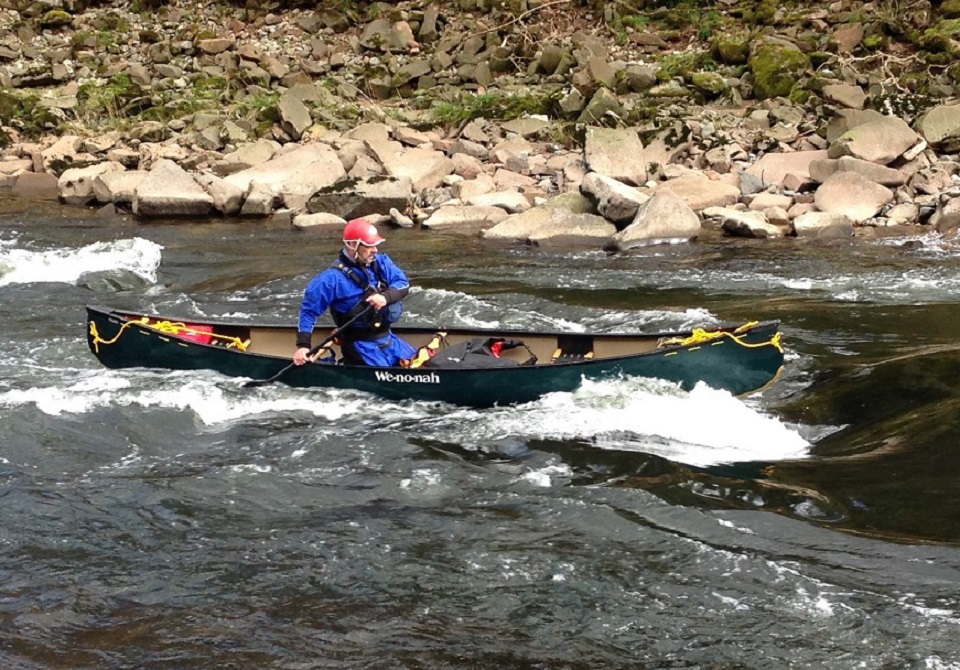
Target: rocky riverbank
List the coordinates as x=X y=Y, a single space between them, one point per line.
x=546 y=122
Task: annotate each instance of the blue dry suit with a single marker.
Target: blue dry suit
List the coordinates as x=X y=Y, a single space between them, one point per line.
x=342 y=289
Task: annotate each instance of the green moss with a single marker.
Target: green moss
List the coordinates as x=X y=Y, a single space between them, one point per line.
x=820 y=58
x=22 y=112
x=800 y=96
x=120 y=97
x=54 y=18
x=731 y=47
x=915 y=82
x=637 y=22
x=874 y=42
x=711 y=83
x=765 y=12
x=684 y=64
x=260 y=108
x=494 y=106
x=941 y=38
x=205 y=94
x=9 y=105
x=777 y=67
x=937 y=58
x=114 y=21
x=708 y=23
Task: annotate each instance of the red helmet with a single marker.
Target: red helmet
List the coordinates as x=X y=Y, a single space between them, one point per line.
x=361 y=231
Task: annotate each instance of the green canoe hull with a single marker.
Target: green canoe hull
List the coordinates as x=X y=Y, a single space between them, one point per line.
x=739 y=364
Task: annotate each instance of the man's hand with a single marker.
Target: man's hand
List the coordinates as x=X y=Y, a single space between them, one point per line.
x=300 y=356
x=378 y=300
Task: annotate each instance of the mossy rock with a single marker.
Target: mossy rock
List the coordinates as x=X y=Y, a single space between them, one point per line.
x=941 y=38
x=710 y=83
x=915 y=82
x=950 y=9
x=731 y=48
x=55 y=18
x=765 y=13
x=9 y=104
x=150 y=36
x=777 y=66
x=937 y=58
x=683 y=65
x=875 y=42
x=819 y=58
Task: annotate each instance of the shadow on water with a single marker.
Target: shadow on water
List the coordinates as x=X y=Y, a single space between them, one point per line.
x=894 y=464
x=729 y=486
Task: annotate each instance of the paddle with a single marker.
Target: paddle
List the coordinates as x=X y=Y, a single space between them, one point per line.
x=336 y=331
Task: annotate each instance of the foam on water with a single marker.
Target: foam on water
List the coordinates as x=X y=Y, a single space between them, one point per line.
x=457 y=309
x=701 y=428
x=211 y=403
x=24 y=266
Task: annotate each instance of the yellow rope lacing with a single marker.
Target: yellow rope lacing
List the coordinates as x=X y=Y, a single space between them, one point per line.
x=167 y=328
x=701 y=336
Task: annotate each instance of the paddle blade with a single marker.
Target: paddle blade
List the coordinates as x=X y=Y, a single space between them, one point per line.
x=253 y=383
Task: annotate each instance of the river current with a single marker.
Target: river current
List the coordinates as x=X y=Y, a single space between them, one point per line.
x=176 y=520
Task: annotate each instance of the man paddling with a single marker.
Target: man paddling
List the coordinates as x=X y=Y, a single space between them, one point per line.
x=363 y=288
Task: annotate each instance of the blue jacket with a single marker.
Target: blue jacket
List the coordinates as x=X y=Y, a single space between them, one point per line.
x=337 y=291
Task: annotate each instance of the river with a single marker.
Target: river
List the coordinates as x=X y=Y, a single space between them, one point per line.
x=176 y=520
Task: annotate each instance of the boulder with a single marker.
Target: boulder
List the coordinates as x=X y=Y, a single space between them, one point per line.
x=320 y=221
x=664 y=217
x=614 y=200
x=880 y=141
x=118 y=188
x=354 y=198
x=425 y=168
x=941 y=126
x=823 y=224
x=553 y=225
x=295 y=175
x=737 y=223
x=853 y=195
x=822 y=169
x=76 y=184
x=773 y=168
x=227 y=198
x=35 y=186
x=699 y=192
x=169 y=191
x=616 y=153
x=246 y=156
x=511 y=202
x=464 y=219
x=777 y=65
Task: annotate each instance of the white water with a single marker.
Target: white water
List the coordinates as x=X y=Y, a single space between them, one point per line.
x=20 y=265
x=700 y=428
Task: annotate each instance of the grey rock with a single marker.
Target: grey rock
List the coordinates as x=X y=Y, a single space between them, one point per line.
x=355 y=198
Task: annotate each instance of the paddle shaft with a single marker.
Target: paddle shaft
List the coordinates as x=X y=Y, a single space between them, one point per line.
x=336 y=331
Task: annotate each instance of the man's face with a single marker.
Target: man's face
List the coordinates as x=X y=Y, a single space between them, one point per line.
x=365 y=254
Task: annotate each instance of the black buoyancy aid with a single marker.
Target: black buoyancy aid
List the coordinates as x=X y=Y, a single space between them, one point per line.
x=373 y=325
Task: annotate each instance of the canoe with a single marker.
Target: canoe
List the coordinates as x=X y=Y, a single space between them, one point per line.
x=739 y=359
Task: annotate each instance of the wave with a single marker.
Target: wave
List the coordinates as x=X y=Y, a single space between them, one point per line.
x=632 y=414
x=26 y=266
